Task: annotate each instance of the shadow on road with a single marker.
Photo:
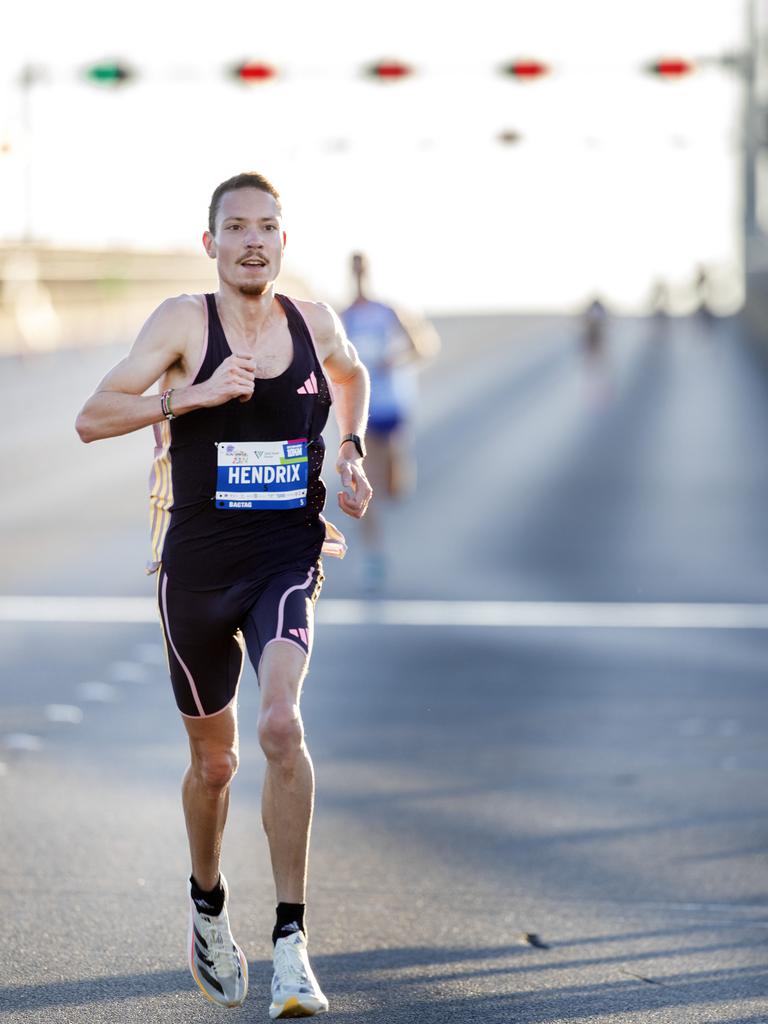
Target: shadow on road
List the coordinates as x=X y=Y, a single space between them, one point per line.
x=373 y=980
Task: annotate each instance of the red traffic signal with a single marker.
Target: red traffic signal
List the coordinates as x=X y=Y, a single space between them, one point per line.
x=254 y=71
x=389 y=70
x=526 y=69
x=670 y=67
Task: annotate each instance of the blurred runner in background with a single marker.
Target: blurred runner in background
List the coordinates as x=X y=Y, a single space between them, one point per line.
x=594 y=339
x=391 y=346
x=595 y=318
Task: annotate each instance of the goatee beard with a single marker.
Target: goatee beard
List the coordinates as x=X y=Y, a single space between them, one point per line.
x=252 y=289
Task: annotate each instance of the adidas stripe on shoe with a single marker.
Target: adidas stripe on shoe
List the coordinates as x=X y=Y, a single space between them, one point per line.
x=216 y=961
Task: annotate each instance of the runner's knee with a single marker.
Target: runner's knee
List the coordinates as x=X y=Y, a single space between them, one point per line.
x=281 y=732
x=215 y=768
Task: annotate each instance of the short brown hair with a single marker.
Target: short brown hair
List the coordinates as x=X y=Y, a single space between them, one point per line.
x=248 y=179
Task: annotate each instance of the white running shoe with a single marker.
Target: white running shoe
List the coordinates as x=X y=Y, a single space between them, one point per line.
x=216 y=961
x=295 y=991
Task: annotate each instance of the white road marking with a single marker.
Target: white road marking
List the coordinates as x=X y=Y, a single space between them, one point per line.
x=547 y=614
x=504 y=614
x=128 y=672
x=77 y=609
x=63 y=713
x=3 y=769
x=22 y=741
x=102 y=693
x=150 y=654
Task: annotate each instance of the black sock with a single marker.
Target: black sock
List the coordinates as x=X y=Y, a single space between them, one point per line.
x=290 y=918
x=209 y=903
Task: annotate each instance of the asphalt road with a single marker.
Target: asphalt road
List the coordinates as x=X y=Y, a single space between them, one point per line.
x=602 y=789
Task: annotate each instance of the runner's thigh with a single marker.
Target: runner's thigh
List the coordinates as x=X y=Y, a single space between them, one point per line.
x=203 y=644
x=284 y=612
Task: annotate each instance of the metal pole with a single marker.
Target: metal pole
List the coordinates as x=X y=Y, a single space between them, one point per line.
x=27 y=80
x=751 y=128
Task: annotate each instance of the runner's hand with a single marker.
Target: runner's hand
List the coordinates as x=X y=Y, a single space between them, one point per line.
x=233 y=378
x=357 y=491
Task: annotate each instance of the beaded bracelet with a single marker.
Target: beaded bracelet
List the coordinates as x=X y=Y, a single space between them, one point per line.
x=165 y=404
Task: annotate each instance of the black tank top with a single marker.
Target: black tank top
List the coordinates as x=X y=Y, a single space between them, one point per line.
x=208 y=547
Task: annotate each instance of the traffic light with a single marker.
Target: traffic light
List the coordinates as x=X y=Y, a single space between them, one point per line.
x=509 y=137
x=109 y=73
x=526 y=69
x=389 y=70
x=252 y=71
x=670 y=67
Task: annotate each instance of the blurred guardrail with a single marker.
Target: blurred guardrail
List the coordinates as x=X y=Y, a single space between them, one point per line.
x=755 y=312
x=54 y=298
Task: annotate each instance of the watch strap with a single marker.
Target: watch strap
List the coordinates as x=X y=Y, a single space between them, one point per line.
x=356 y=441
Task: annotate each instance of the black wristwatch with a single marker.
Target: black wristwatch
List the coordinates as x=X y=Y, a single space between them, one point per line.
x=356 y=441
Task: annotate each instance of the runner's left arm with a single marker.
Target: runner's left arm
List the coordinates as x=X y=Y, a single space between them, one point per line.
x=351 y=390
x=422 y=340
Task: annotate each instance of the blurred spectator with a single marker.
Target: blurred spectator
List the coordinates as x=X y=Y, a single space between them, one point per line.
x=704 y=290
x=391 y=345
x=595 y=317
x=29 y=302
x=659 y=301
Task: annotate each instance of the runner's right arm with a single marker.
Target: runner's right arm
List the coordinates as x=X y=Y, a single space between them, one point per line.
x=119 y=405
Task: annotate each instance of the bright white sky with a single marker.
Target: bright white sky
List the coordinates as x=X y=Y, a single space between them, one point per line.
x=620 y=178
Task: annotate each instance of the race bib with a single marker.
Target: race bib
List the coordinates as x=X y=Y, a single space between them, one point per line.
x=262 y=474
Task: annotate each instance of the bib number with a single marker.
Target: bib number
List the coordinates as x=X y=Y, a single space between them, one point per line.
x=261 y=474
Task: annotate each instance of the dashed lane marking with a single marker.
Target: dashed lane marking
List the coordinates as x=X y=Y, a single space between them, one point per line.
x=22 y=741
x=128 y=672
x=493 y=614
x=68 y=713
x=100 y=693
x=150 y=654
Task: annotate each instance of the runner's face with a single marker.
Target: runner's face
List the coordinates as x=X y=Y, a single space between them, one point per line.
x=249 y=240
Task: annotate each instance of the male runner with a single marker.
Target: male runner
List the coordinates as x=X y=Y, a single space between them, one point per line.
x=245 y=379
x=390 y=346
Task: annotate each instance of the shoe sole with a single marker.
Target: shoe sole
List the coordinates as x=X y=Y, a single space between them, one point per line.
x=211 y=999
x=293 y=1008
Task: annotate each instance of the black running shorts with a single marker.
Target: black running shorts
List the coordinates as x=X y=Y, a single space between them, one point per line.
x=205 y=631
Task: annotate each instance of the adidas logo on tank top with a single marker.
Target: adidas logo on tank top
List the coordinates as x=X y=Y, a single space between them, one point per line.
x=309 y=387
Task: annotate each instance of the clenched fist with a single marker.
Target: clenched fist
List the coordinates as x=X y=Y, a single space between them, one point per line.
x=234 y=378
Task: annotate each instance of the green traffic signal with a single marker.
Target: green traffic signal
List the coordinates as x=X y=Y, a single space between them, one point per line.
x=108 y=73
